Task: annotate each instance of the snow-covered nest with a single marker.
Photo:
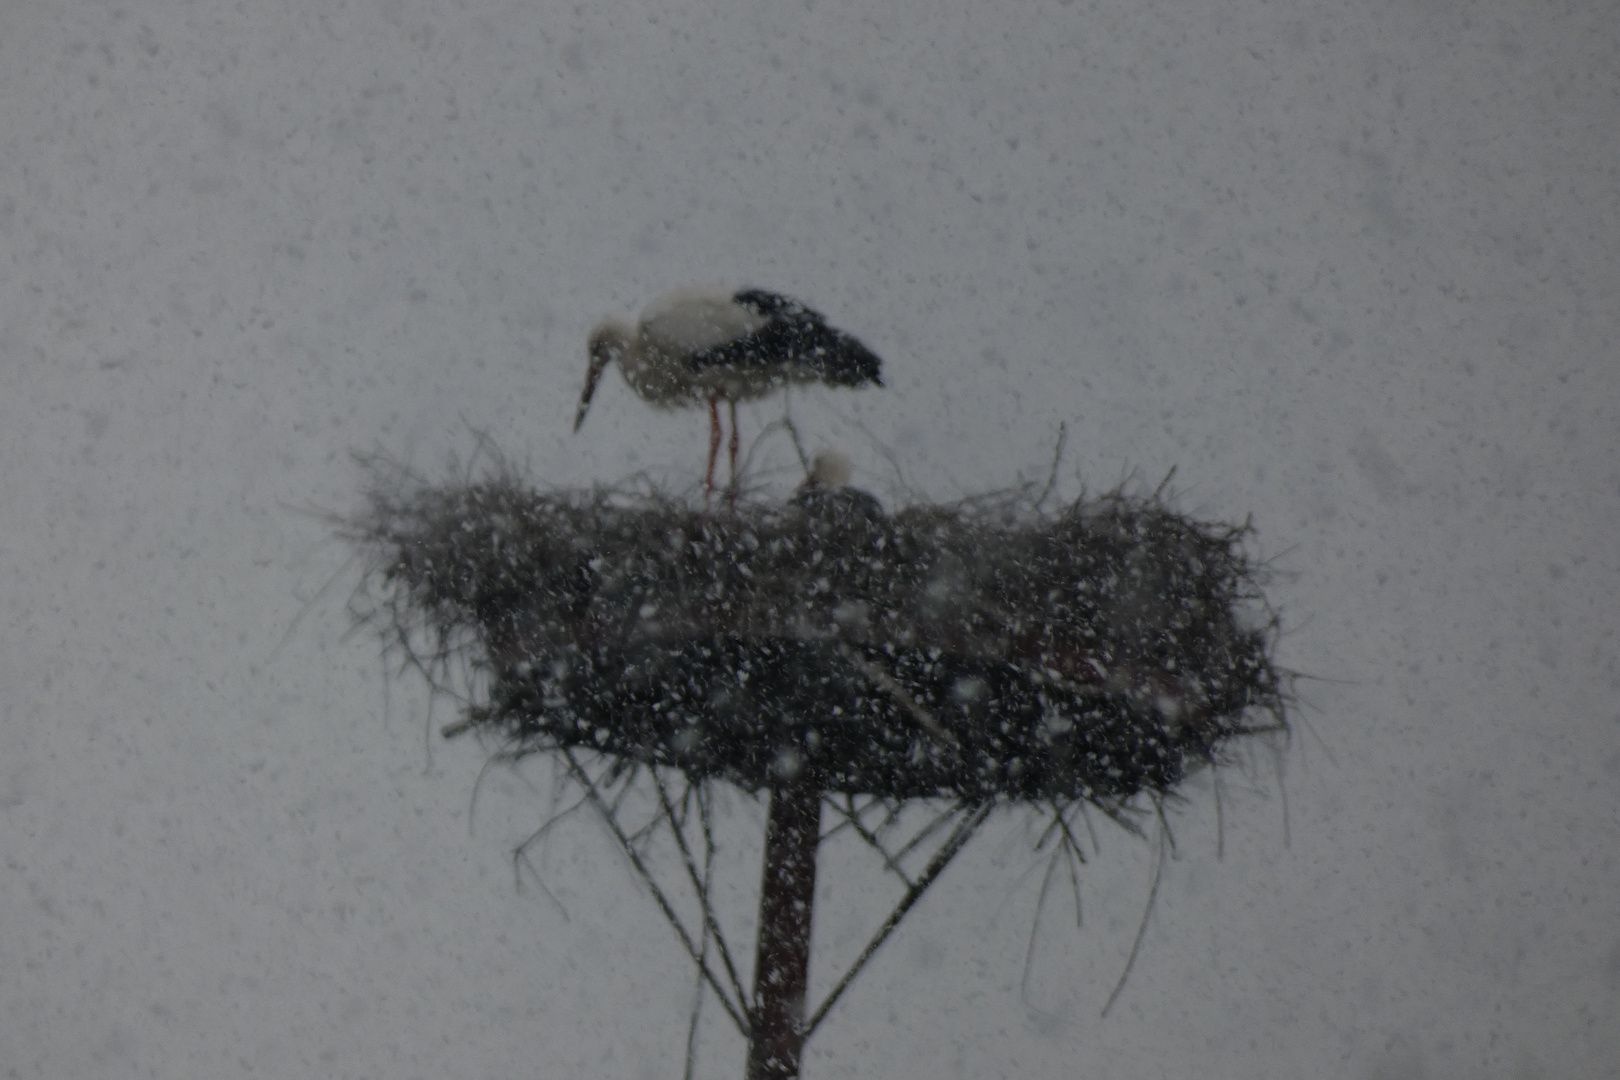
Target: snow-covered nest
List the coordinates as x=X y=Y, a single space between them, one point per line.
x=983 y=650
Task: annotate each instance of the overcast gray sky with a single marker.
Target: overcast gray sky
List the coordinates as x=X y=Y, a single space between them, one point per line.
x=1348 y=267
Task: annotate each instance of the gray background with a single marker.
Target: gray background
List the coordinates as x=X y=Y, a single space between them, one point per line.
x=1350 y=267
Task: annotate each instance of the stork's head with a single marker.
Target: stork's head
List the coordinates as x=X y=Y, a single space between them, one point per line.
x=830 y=469
x=608 y=342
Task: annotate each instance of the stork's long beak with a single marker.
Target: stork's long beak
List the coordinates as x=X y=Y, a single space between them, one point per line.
x=593 y=375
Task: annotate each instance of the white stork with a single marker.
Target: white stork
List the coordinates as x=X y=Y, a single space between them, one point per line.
x=699 y=345
x=826 y=491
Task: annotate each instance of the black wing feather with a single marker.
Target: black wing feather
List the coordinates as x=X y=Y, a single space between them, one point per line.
x=794 y=336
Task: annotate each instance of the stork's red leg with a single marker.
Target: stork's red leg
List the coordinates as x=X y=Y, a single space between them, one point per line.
x=714 y=446
x=733 y=446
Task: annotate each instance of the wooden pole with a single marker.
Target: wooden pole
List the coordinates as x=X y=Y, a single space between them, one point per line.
x=787 y=896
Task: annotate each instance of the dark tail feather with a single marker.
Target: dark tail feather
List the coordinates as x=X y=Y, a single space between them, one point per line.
x=849 y=363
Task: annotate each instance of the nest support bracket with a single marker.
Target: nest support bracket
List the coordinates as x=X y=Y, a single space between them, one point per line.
x=775 y=1019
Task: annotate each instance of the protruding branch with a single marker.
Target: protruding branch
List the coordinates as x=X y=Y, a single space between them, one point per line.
x=584 y=780
x=700 y=883
x=959 y=836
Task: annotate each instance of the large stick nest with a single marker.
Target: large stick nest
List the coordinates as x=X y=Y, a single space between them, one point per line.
x=984 y=650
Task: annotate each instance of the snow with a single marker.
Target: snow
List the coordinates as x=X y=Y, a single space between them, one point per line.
x=1347 y=267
